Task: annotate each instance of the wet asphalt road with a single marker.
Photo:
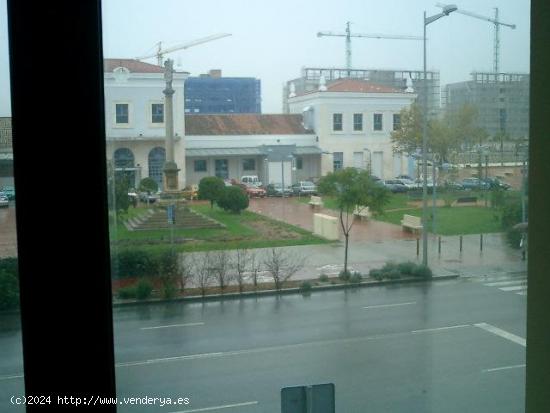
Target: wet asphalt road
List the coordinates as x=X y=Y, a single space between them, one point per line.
x=448 y=346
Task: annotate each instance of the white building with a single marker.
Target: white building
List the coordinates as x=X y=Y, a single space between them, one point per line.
x=134 y=119
x=353 y=120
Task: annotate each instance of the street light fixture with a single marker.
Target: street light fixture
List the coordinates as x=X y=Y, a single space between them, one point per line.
x=427 y=20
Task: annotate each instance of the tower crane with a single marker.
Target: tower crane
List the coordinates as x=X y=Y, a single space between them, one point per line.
x=348 y=35
x=159 y=54
x=497 y=23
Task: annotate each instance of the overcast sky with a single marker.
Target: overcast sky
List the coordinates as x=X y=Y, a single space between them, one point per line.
x=273 y=40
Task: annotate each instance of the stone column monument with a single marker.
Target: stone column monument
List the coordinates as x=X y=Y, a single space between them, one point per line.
x=170 y=168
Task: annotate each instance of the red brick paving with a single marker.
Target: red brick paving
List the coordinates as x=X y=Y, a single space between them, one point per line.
x=296 y=213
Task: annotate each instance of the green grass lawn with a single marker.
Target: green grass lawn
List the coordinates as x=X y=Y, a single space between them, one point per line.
x=247 y=230
x=454 y=220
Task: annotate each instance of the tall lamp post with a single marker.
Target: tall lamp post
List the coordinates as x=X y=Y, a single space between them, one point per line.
x=427 y=20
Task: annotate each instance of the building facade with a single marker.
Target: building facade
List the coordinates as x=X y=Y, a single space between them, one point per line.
x=501 y=100
x=211 y=93
x=395 y=79
x=6 y=152
x=353 y=120
x=134 y=119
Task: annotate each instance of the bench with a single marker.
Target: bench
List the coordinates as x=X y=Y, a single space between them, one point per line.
x=466 y=199
x=315 y=201
x=362 y=211
x=411 y=222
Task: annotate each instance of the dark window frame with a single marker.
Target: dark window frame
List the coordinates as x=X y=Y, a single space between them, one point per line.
x=378 y=122
x=122 y=115
x=357 y=122
x=338 y=125
x=203 y=169
x=155 y=116
x=247 y=167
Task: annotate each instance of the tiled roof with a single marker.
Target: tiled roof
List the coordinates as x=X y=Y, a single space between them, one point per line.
x=244 y=124
x=359 y=86
x=134 y=66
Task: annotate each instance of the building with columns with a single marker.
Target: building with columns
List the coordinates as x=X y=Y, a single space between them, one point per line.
x=353 y=120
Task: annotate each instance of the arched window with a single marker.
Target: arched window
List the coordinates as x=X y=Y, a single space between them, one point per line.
x=157 y=158
x=124 y=158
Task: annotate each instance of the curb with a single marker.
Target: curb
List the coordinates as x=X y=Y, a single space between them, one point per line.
x=287 y=291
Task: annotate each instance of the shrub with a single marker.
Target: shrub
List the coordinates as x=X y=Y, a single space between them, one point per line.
x=356 y=278
x=144 y=288
x=344 y=276
x=406 y=268
x=376 y=274
x=305 y=287
x=134 y=263
x=9 y=265
x=211 y=188
x=422 y=271
x=148 y=185
x=323 y=278
x=511 y=215
x=169 y=289
x=392 y=274
x=126 y=293
x=9 y=290
x=233 y=199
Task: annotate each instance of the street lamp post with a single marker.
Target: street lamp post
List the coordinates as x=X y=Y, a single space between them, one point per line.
x=427 y=20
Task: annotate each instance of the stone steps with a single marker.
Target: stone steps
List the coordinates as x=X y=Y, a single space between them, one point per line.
x=157 y=219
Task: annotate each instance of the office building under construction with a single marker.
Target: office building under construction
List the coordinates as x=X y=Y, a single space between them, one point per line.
x=501 y=100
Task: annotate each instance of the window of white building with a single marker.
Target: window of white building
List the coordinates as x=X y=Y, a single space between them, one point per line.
x=337 y=122
x=157 y=113
x=396 y=121
x=377 y=121
x=200 y=165
x=249 y=164
x=338 y=160
x=122 y=113
x=357 y=121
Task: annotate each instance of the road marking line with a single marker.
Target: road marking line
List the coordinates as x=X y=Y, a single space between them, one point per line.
x=173 y=325
x=517 y=366
x=15 y=376
x=502 y=333
x=427 y=330
x=504 y=283
x=522 y=293
x=516 y=288
x=281 y=347
x=225 y=406
x=390 y=305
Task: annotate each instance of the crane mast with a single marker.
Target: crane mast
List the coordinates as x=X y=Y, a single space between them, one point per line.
x=348 y=35
x=496 y=41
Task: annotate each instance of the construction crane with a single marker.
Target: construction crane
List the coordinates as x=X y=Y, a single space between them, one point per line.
x=348 y=35
x=497 y=23
x=159 y=54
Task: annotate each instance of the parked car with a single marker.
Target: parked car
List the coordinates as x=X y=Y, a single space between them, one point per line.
x=251 y=180
x=148 y=197
x=452 y=185
x=277 y=190
x=4 y=201
x=304 y=188
x=409 y=183
x=474 y=183
x=228 y=182
x=395 y=185
x=253 y=191
x=496 y=183
x=9 y=191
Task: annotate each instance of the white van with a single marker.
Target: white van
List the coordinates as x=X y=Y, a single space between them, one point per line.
x=251 y=180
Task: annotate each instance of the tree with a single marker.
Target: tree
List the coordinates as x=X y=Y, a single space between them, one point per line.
x=211 y=188
x=350 y=188
x=221 y=267
x=9 y=290
x=202 y=271
x=122 y=200
x=241 y=265
x=148 y=185
x=169 y=272
x=233 y=199
x=282 y=265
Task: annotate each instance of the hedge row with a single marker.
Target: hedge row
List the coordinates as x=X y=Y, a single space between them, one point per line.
x=393 y=271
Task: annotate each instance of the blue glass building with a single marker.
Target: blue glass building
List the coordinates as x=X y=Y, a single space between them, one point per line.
x=212 y=93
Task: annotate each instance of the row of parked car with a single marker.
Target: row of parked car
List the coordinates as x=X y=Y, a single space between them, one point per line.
x=7 y=194
x=404 y=183
x=255 y=189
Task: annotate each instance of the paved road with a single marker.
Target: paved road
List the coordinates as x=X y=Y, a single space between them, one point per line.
x=451 y=346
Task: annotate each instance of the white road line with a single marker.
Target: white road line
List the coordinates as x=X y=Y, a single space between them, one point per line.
x=15 y=376
x=427 y=330
x=504 y=283
x=517 y=366
x=516 y=288
x=389 y=305
x=502 y=333
x=522 y=293
x=173 y=325
x=225 y=406
x=285 y=347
